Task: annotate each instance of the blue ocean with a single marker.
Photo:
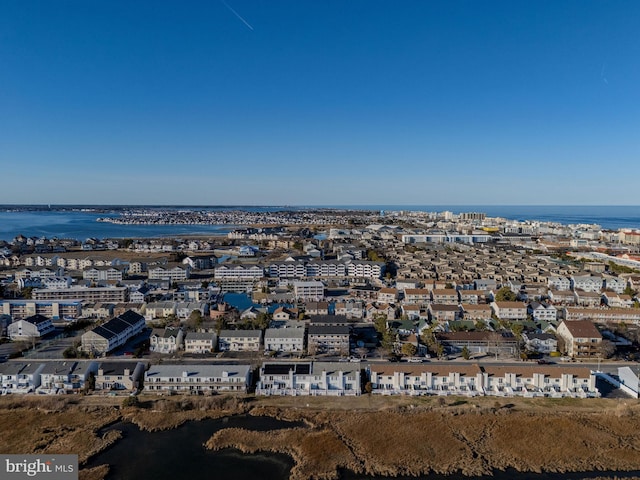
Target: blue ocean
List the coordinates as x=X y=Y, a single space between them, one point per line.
x=83 y=224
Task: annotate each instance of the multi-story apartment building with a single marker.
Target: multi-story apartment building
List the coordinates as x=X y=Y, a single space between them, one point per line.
x=200 y=342
x=85 y=294
x=96 y=274
x=54 y=309
x=167 y=340
x=36 y=326
x=173 y=274
x=309 y=290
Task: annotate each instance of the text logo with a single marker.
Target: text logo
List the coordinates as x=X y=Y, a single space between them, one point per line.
x=47 y=467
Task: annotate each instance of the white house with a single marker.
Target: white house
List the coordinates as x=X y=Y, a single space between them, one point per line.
x=197 y=379
x=309 y=378
x=168 y=340
x=240 y=340
x=200 y=342
x=284 y=339
x=33 y=327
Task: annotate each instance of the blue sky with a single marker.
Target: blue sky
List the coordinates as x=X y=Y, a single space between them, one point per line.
x=320 y=102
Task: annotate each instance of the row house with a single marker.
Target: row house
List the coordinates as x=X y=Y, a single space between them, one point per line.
x=156 y=310
x=240 y=340
x=350 y=309
x=20 y=377
x=542 y=312
x=476 y=380
x=476 y=312
x=588 y=299
x=173 y=274
x=443 y=313
x=200 y=342
x=286 y=339
x=34 y=327
x=472 y=297
x=586 y=283
x=559 y=283
x=309 y=378
x=167 y=340
x=197 y=379
x=616 y=284
x=127 y=376
x=604 y=315
x=316 y=308
x=291 y=269
x=417 y=296
x=544 y=343
x=509 y=310
x=447 y=296
x=328 y=339
x=97 y=274
x=387 y=295
x=562 y=297
x=98 y=310
x=113 y=334
x=617 y=300
x=185 y=309
x=54 y=309
x=66 y=376
x=39 y=272
x=582 y=338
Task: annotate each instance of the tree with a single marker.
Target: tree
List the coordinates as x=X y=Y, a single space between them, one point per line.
x=368 y=388
x=607 y=349
x=409 y=349
x=505 y=295
x=195 y=319
x=465 y=353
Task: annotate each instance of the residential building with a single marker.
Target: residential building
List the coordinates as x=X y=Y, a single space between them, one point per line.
x=481 y=380
x=197 y=379
x=284 y=339
x=240 y=340
x=200 y=342
x=509 y=310
x=308 y=290
x=581 y=338
x=30 y=328
x=540 y=342
x=309 y=378
x=174 y=273
x=113 y=334
x=54 y=309
x=542 y=312
x=167 y=340
x=85 y=294
x=120 y=376
x=96 y=274
x=328 y=339
x=20 y=377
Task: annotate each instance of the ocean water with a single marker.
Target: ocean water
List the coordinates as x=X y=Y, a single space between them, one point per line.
x=82 y=225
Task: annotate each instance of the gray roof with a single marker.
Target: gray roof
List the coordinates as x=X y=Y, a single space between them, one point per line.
x=240 y=333
x=191 y=370
x=283 y=333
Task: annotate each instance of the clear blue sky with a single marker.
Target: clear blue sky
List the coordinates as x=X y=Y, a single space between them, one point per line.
x=320 y=102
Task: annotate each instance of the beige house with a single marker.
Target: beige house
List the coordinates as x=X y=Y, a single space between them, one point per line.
x=582 y=338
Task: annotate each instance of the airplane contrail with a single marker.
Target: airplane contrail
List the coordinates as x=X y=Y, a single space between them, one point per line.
x=237 y=14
